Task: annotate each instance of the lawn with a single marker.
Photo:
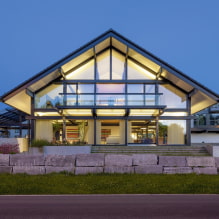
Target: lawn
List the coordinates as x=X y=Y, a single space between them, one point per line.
x=65 y=183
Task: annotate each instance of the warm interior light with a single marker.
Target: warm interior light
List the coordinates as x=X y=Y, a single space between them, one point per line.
x=78 y=112
x=143 y=112
x=110 y=112
x=174 y=114
x=47 y=114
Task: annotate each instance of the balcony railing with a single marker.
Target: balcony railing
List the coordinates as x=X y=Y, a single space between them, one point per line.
x=99 y=100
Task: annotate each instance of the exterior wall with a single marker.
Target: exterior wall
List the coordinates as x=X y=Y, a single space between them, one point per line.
x=107 y=163
x=90 y=132
x=22 y=142
x=98 y=132
x=122 y=132
x=205 y=137
x=44 y=130
x=175 y=134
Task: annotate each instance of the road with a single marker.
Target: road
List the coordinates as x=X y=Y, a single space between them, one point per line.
x=109 y=206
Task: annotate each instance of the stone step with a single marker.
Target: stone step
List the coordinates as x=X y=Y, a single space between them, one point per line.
x=159 y=150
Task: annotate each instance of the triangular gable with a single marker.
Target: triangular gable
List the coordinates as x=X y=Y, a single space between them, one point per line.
x=98 y=49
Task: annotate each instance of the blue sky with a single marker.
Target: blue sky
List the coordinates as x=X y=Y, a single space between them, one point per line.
x=37 y=33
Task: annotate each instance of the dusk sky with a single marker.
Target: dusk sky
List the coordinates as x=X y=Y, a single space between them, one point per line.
x=37 y=33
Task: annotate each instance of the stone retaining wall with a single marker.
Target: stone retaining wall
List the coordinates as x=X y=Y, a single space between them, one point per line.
x=107 y=163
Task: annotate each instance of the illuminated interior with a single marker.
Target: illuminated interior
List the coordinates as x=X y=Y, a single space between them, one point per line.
x=111 y=92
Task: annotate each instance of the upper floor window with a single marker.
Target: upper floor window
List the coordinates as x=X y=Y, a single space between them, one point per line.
x=172 y=97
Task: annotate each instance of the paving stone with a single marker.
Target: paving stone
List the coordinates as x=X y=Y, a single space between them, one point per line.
x=32 y=170
x=118 y=169
x=89 y=160
x=60 y=160
x=4 y=159
x=5 y=169
x=205 y=170
x=118 y=160
x=172 y=161
x=144 y=159
x=27 y=160
x=52 y=169
x=200 y=161
x=149 y=169
x=87 y=170
x=175 y=170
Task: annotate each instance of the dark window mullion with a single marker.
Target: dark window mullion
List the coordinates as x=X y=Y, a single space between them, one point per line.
x=111 y=62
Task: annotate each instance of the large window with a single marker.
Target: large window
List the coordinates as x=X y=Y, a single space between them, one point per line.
x=172 y=97
x=118 y=66
x=172 y=132
x=49 y=97
x=103 y=66
x=136 y=72
x=84 y=72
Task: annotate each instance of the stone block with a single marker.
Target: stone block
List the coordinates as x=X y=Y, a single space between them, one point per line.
x=5 y=169
x=27 y=160
x=90 y=160
x=52 y=169
x=172 y=161
x=60 y=160
x=149 y=169
x=144 y=159
x=32 y=170
x=87 y=170
x=177 y=170
x=200 y=161
x=118 y=169
x=216 y=162
x=205 y=170
x=4 y=159
x=118 y=160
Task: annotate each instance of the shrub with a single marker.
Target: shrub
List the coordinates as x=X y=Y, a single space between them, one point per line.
x=40 y=143
x=7 y=148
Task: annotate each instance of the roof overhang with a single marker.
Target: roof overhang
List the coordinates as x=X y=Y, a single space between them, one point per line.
x=200 y=99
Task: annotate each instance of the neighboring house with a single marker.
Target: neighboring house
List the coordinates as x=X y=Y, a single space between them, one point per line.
x=205 y=126
x=13 y=124
x=111 y=91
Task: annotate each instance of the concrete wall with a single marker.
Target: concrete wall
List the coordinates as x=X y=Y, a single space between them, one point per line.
x=44 y=130
x=205 y=137
x=22 y=142
x=107 y=163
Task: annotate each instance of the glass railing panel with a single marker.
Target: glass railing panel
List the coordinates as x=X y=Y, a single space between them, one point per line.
x=135 y=100
x=47 y=102
x=110 y=100
x=71 y=100
x=86 y=100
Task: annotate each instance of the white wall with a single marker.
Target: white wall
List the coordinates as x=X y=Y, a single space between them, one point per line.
x=205 y=137
x=44 y=130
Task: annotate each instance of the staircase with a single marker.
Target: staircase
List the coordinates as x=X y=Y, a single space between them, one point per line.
x=159 y=150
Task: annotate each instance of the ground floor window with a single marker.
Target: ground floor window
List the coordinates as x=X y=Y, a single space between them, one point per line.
x=113 y=131
x=142 y=131
x=172 y=132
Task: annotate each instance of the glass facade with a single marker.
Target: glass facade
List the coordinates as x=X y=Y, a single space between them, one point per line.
x=114 y=97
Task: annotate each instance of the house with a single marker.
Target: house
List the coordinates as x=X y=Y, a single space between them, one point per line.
x=111 y=91
x=205 y=126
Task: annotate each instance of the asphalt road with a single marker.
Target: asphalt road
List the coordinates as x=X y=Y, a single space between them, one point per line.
x=109 y=206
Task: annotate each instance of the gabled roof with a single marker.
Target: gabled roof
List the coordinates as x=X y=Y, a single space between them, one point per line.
x=201 y=96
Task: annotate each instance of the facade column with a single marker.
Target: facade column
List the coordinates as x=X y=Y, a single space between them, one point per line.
x=122 y=132
x=188 y=123
x=157 y=131
x=64 y=129
x=98 y=132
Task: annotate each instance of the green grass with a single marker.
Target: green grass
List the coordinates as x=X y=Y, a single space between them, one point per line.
x=64 y=183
